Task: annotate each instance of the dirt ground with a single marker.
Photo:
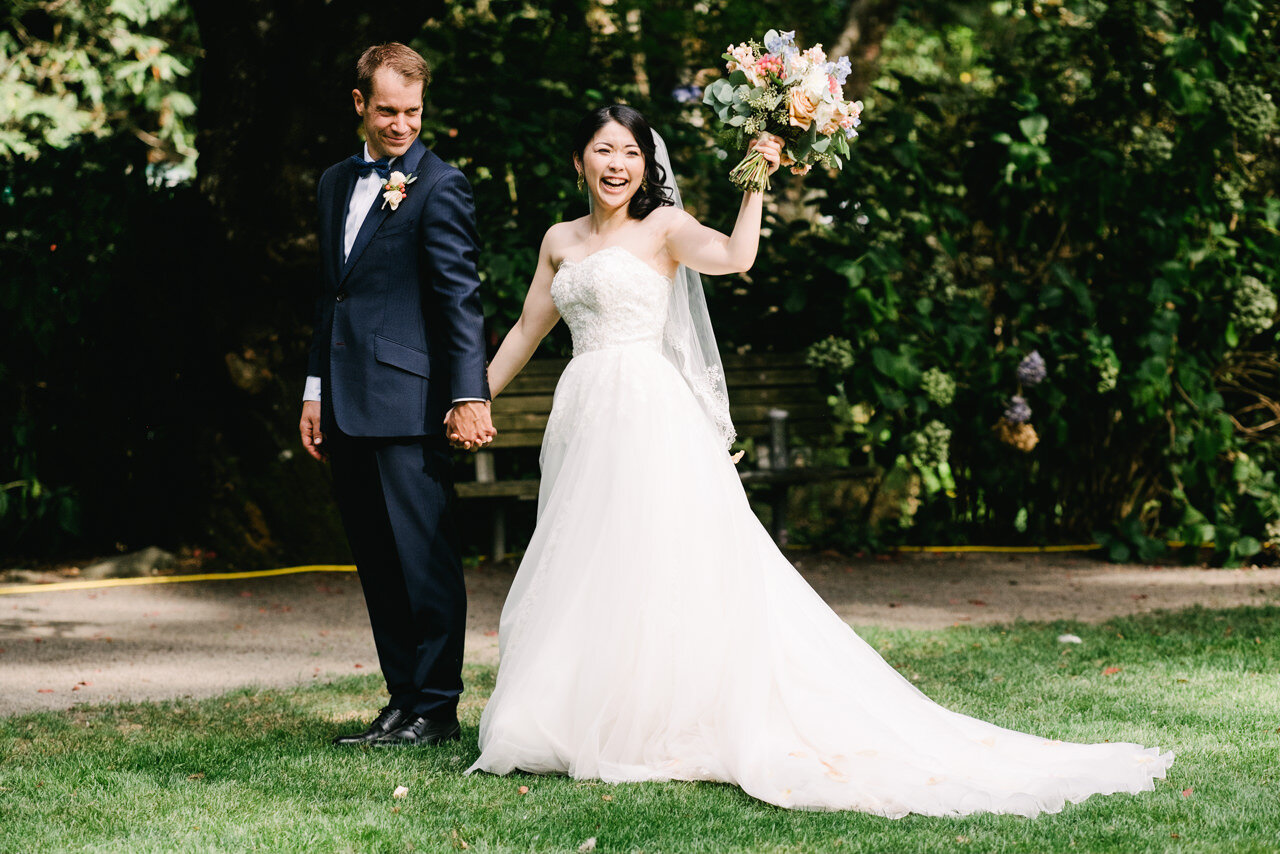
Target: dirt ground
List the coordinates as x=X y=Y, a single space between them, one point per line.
x=167 y=641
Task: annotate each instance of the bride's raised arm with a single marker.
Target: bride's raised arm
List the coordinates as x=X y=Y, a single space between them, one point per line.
x=537 y=318
x=707 y=250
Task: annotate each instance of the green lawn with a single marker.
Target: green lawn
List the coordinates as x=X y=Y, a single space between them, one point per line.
x=254 y=771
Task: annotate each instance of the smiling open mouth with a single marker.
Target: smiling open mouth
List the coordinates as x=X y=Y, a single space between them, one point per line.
x=614 y=182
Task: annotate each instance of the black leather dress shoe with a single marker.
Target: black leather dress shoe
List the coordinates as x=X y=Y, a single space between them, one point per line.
x=387 y=720
x=419 y=730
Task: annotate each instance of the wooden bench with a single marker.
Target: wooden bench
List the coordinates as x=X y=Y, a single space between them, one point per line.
x=773 y=398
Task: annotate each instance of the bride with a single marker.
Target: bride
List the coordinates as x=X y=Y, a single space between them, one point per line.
x=653 y=630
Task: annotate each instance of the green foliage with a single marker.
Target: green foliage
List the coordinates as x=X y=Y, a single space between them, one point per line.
x=1096 y=182
x=92 y=421
x=101 y=67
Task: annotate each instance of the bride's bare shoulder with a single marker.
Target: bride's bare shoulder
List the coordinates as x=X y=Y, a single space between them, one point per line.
x=668 y=218
x=559 y=239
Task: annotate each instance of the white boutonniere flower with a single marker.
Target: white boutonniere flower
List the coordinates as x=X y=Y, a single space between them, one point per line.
x=395 y=188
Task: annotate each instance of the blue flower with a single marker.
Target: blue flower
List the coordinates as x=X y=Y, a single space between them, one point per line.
x=775 y=43
x=687 y=94
x=842 y=70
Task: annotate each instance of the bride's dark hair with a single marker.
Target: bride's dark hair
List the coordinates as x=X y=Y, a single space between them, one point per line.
x=646 y=200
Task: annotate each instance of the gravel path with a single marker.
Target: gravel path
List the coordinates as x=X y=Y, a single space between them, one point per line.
x=198 y=639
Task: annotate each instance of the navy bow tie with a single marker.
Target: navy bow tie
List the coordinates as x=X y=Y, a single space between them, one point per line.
x=364 y=167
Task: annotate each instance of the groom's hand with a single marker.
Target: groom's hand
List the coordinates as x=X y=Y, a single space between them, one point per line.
x=309 y=427
x=468 y=425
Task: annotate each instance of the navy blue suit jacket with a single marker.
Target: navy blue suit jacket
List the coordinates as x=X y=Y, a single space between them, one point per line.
x=399 y=330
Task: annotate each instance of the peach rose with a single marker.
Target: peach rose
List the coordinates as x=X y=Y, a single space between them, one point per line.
x=801 y=106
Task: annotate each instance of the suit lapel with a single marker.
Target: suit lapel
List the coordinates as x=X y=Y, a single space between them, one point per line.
x=377 y=213
x=341 y=201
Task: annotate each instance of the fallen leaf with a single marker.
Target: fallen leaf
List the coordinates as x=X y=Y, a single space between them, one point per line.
x=962 y=839
x=524 y=790
x=977 y=602
x=197 y=776
x=589 y=845
x=359 y=665
x=1174 y=836
x=606 y=797
x=1186 y=793
x=44 y=690
x=1070 y=639
x=1110 y=671
x=400 y=792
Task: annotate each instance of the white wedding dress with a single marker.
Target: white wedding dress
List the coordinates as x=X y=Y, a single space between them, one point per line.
x=654 y=631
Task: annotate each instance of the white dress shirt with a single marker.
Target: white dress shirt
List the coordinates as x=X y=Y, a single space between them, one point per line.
x=367 y=189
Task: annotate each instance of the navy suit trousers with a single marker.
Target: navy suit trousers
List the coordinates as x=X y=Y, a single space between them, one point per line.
x=396 y=497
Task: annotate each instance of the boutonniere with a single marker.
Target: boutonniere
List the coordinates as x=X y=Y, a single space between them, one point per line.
x=394 y=189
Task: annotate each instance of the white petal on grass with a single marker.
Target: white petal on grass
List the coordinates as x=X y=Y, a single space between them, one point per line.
x=400 y=792
x=589 y=845
x=1070 y=639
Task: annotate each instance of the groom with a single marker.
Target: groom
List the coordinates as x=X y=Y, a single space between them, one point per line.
x=397 y=363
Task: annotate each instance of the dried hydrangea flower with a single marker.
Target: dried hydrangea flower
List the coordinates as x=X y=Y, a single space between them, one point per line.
x=1021 y=436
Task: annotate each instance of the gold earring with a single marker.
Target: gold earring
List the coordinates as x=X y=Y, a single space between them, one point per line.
x=581 y=185
x=644 y=185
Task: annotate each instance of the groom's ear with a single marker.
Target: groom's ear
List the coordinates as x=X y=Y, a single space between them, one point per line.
x=358 y=97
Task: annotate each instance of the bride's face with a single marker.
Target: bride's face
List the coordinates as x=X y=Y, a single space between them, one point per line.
x=612 y=166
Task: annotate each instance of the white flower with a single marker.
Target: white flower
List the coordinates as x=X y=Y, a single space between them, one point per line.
x=394 y=189
x=393 y=196
x=400 y=792
x=815 y=83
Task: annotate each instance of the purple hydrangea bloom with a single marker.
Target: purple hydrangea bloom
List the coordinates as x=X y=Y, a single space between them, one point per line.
x=1017 y=412
x=1031 y=370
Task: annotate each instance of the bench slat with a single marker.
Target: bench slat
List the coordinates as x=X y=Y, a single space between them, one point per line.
x=523 y=489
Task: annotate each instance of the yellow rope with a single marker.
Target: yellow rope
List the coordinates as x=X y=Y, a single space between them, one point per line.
x=166 y=579
x=61 y=586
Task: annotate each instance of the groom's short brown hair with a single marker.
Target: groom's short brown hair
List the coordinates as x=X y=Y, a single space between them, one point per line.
x=402 y=59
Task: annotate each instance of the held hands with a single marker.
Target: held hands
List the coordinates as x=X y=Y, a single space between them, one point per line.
x=468 y=425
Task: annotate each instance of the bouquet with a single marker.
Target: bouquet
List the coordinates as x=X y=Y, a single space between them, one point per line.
x=794 y=95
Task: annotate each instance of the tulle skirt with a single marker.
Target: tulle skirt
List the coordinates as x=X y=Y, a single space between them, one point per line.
x=655 y=632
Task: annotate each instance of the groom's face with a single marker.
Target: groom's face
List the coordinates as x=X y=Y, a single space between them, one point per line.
x=392 y=114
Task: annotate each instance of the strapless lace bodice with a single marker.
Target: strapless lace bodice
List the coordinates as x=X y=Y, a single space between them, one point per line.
x=610 y=299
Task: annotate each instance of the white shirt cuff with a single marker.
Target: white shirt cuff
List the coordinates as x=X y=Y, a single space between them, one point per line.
x=312 y=390
x=458 y=400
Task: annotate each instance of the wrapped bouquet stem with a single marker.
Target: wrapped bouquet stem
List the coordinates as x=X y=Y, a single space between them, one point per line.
x=795 y=95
